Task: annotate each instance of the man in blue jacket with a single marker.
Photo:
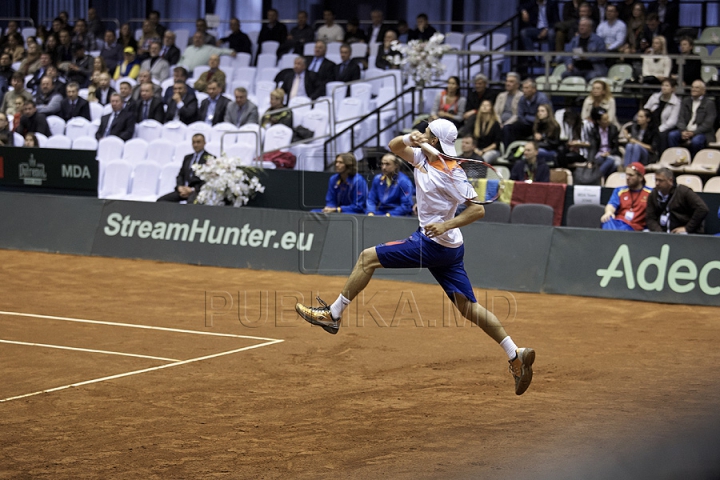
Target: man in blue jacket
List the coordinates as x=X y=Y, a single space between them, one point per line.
x=585 y=42
x=391 y=192
x=347 y=190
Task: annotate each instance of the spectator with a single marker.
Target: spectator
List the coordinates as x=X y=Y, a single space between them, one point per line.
x=31 y=141
x=15 y=47
x=613 y=31
x=506 y=103
x=199 y=53
x=143 y=78
x=566 y=27
x=80 y=69
x=157 y=66
x=403 y=31
x=45 y=63
x=212 y=75
x=665 y=108
x=537 y=22
x=125 y=90
x=237 y=40
x=19 y=109
x=635 y=27
x=183 y=105
x=5 y=131
x=95 y=24
x=299 y=82
x=353 y=33
x=64 y=50
x=149 y=106
x=321 y=66
x=130 y=67
x=242 y=111
x=674 y=208
x=468 y=149
x=188 y=184
x=449 y=104
x=6 y=140
x=377 y=29
x=668 y=14
x=65 y=18
x=627 y=206
x=47 y=100
x=600 y=97
x=423 y=30
x=127 y=38
x=654 y=28
x=696 y=120
x=625 y=8
x=474 y=99
x=574 y=150
x=487 y=132
x=348 y=70
x=51 y=47
x=201 y=28
x=169 y=52
x=347 y=189
x=12 y=29
x=528 y=105
x=391 y=192
x=530 y=167
x=83 y=37
x=104 y=90
x=272 y=30
x=585 y=41
x=273 y=117
x=154 y=17
x=59 y=81
x=179 y=75
x=32 y=121
x=546 y=133
x=329 y=31
x=693 y=66
x=112 y=51
x=657 y=65
x=601 y=8
x=6 y=71
x=642 y=139
x=387 y=58
x=213 y=109
x=73 y=105
x=58 y=25
x=301 y=34
x=604 y=148
x=29 y=65
x=119 y=122
x=8 y=103
x=149 y=36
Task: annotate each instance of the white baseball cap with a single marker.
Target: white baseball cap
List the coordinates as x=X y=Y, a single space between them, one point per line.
x=446 y=132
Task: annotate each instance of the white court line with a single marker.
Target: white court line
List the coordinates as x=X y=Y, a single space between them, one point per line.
x=145 y=370
x=106 y=352
x=267 y=342
x=131 y=325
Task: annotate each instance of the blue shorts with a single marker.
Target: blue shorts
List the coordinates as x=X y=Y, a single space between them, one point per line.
x=418 y=251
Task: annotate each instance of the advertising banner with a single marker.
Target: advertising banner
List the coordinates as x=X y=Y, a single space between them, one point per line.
x=48 y=168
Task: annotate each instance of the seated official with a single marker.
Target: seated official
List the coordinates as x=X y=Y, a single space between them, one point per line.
x=32 y=121
x=628 y=205
x=241 y=111
x=674 y=208
x=347 y=189
x=149 y=106
x=120 y=122
x=74 y=105
x=530 y=168
x=189 y=184
x=213 y=109
x=183 y=105
x=391 y=192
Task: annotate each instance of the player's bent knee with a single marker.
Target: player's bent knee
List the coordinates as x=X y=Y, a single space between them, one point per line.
x=369 y=258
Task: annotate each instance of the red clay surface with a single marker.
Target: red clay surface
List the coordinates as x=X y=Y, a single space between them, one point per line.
x=413 y=400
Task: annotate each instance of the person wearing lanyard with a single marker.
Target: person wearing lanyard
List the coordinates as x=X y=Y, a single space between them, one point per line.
x=188 y=184
x=627 y=206
x=213 y=108
x=391 y=192
x=674 y=208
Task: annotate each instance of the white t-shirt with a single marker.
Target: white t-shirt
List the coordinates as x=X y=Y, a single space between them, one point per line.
x=438 y=197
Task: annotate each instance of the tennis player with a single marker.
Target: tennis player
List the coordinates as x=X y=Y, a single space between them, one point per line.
x=437 y=245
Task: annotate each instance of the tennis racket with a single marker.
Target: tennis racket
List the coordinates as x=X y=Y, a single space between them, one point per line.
x=486 y=182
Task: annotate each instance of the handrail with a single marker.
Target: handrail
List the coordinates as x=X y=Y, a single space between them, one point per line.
x=241 y=132
x=19 y=19
x=513 y=24
x=366 y=80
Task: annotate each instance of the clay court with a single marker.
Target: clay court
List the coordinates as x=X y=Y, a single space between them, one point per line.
x=273 y=397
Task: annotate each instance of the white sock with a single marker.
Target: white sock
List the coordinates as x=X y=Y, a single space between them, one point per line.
x=509 y=346
x=339 y=305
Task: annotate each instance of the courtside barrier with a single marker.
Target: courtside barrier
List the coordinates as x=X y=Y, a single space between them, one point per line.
x=641 y=266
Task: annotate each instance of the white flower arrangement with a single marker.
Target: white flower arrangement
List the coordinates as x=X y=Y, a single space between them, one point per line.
x=227 y=182
x=421 y=60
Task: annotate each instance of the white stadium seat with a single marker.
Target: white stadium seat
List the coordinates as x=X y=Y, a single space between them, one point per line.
x=85 y=143
x=115 y=179
x=59 y=141
x=110 y=148
x=161 y=151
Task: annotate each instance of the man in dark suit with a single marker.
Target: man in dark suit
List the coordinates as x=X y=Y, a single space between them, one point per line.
x=668 y=14
x=272 y=30
x=376 y=31
x=169 y=51
x=324 y=68
x=213 y=108
x=112 y=51
x=537 y=23
x=189 y=184
x=126 y=95
x=183 y=105
x=73 y=105
x=33 y=85
x=120 y=122
x=149 y=106
x=32 y=121
x=298 y=81
x=179 y=75
x=347 y=70
x=696 y=120
x=104 y=91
